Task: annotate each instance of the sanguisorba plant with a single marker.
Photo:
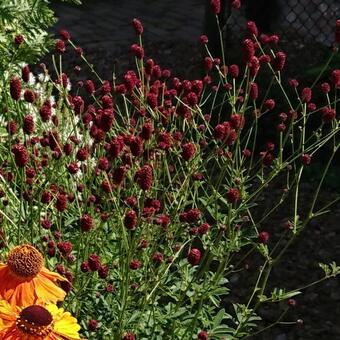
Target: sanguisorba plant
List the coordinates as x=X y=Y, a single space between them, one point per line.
x=141 y=192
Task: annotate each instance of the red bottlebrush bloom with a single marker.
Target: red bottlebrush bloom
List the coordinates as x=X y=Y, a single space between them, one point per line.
x=46 y=197
x=118 y=174
x=12 y=127
x=106 y=87
x=325 y=88
x=274 y=39
x=65 y=35
x=156 y=71
x=25 y=74
x=131 y=201
x=306 y=95
x=337 y=31
x=215 y=6
x=89 y=86
x=79 y=52
x=246 y=153
x=46 y=223
x=202 y=335
x=236 y=121
x=82 y=154
x=67 y=149
x=137 y=25
x=138 y=51
x=103 y=163
x=84 y=267
x=73 y=168
x=149 y=66
x=94 y=262
x=281 y=127
x=233 y=195
x=269 y=104
x=163 y=220
x=263 y=237
x=107 y=102
x=135 y=264
x=30 y=172
x=61 y=203
x=152 y=100
x=78 y=104
x=188 y=151
x=18 y=39
x=144 y=177
x=248 y=50
x=293 y=83
x=15 y=88
x=254 y=91
x=335 y=77
x=28 y=126
x=147 y=131
x=203 y=228
x=103 y=271
x=234 y=71
x=29 y=96
x=86 y=222
x=192 y=99
x=60 y=47
x=236 y=4
x=130 y=220
x=252 y=28
x=192 y=215
x=194 y=256
x=20 y=155
x=220 y=131
x=208 y=64
x=136 y=146
x=279 y=61
x=129 y=336
x=204 y=39
x=328 y=115
x=65 y=247
x=92 y=325
x=267 y=158
x=265 y=59
x=306 y=159
x=254 y=66
x=157 y=257
x=45 y=113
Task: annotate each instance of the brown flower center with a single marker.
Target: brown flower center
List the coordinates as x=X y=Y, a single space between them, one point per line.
x=25 y=261
x=35 y=320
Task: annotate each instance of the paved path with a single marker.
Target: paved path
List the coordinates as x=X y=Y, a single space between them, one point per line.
x=107 y=23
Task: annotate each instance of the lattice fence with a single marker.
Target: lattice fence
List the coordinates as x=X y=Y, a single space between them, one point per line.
x=309 y=20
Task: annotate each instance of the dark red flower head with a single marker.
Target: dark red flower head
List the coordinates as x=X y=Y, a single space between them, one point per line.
x=130 y=220
x=188 y=151
x=233 y=195
x=252 y=28
x=194 y=256
x=86 y=222
x=19 y=39
x=215 y=6
x=202 y=335
x=20 y=155
x=144 y=177
x=263 y=237
x=15 y=88
x=60 y=47
x=137 y=25
x=65 y=35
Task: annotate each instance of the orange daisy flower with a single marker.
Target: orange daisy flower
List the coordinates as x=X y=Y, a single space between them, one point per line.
x=25 y=281
x=37 y=323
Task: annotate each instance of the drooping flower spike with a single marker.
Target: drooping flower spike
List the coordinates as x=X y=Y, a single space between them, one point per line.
x=37 y=322
x=25 y=281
